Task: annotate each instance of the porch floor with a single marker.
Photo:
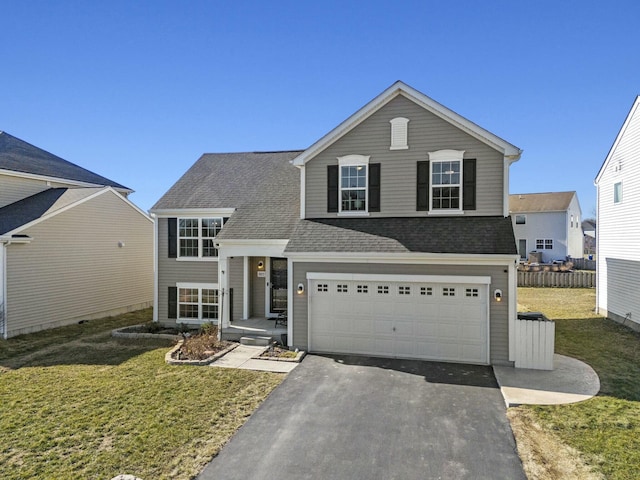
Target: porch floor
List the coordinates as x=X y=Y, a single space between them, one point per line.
x=255 y=326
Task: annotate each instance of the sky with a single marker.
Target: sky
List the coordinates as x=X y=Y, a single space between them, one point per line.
x=136 y=91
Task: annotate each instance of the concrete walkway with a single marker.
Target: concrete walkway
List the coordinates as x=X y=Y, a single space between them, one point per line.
x=242 y=357
x=570 y=381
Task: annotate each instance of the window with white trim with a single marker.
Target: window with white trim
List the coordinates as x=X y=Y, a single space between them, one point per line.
x=448 y=292
x=362 y=289
x=427 y=291
x=471 y=292
x=521 y=219
x=383 y=289
x=446 y=179
x=198 y=303
x=404 y=290
x=544 y=243
x=323 y=287
x=617 y=192
x=353 y=183
x=399 y=131
x=196 y=237
x=342 y=288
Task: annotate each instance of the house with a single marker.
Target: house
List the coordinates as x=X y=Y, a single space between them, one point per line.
x=389 y=236
x=72 y=246
x=548 y=224
x=618 y=208
x=589 y=229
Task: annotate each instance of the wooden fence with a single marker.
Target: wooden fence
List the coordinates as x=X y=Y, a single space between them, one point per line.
x=582 y=279
x=583 y=263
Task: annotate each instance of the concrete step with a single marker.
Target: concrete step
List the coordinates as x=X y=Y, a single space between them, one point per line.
x=255 y=340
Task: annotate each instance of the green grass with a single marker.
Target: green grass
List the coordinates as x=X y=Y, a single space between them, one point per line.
x=80 y=404
x=605 y=429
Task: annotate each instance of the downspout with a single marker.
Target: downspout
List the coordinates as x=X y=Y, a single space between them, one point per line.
x=155 y=266
x=3 y=288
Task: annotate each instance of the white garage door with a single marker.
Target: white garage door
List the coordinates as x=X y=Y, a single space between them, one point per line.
x=434 y=320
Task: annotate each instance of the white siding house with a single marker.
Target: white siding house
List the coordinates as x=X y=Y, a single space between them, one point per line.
x=547 y=223
x=618 y=247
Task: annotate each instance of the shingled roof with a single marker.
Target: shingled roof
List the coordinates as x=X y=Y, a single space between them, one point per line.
x=461 y=235
x=263 y=187
x=19 y=156
x=540 y=202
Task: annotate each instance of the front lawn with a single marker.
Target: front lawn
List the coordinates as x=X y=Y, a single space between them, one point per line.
x=77 y=403
x=603 y=432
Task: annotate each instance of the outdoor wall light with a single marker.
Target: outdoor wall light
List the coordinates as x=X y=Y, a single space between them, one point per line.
x=260 y=265
x=300 y=288
x=497 y=294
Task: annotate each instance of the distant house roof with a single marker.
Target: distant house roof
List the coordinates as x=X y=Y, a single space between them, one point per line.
x=540 y=202
x=19 y=156
x=263 y=187
x=457 y=235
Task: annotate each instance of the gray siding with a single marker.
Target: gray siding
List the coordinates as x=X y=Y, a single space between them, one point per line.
x=258 y=288
x=172 y=271
x=427 y=133
x=74 y=269
x=499 y=312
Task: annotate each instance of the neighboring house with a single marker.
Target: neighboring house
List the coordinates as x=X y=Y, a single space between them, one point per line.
x=548 y=224
x=618 y=247
x=589 y=229
x=72 y=246
x=389 y=236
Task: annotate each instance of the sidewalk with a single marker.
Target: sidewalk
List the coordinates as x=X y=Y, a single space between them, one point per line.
x=242 y=357
x=570 y=381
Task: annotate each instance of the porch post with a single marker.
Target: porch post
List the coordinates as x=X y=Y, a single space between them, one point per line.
x=245 y=288
x=223 y=288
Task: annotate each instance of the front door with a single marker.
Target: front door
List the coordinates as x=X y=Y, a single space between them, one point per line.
x=279 y=284
x=522 y=247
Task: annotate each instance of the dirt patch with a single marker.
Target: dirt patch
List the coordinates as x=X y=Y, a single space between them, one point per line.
x=543 y=455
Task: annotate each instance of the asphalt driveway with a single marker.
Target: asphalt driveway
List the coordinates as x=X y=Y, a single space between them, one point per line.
x=345 y=417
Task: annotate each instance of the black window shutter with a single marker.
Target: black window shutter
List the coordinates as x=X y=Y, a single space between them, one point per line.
x=469 y=184
x=332 y=188
x=422 y=199
x=374 y=187
x=172 y=225
x=172 y=304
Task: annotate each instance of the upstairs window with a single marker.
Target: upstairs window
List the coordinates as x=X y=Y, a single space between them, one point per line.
x=446 y=179
x=353 y=183
x=617 y=192
x=196 y=237
x=521 y=219
x=399 y=131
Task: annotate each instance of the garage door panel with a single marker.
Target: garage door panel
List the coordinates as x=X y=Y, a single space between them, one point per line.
x=400 y=319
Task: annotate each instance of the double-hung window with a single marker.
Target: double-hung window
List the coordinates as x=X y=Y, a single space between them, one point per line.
x=446 y=180
x=196 y=237
x=198 y=303
x=353 y=183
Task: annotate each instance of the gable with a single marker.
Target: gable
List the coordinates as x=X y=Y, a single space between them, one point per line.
x=428 y=104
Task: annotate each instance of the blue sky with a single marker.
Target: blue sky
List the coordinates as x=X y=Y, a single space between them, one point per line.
x=137 y=91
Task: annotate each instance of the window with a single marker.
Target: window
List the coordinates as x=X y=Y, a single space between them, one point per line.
x=448 y=292
x=196 y=236
x=399 y=133
x=342 y=288
x=402 y=290
x=362 y=289
x=617 y=192
x=353 y=183
x=544 y=244
x=198 y=303
x=428 y=291
x=383 y=289
x=521 y=219
x=446 y=179
x=323 y=287
x=571 y=221
x=471 y=292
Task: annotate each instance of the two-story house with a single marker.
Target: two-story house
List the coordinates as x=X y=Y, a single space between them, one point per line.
x=548 y=224
x=618 y=246
x=389 y=236
x=72 y=246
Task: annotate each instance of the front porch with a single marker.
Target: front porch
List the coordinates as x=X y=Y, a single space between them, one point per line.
x=255 y=327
